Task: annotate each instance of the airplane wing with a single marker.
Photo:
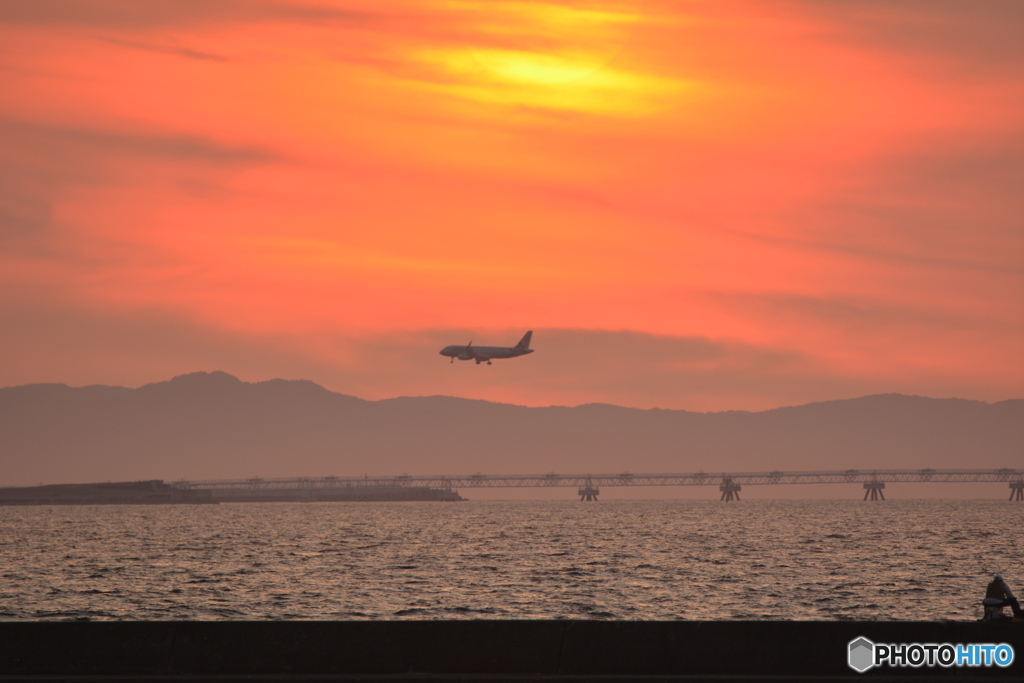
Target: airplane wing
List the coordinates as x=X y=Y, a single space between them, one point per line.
x=473 y=354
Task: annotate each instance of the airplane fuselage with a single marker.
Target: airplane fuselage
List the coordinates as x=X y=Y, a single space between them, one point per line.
x=483 y=352
x=487 y=353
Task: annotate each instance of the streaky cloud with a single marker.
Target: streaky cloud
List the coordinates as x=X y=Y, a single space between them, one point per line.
x=53 y=139
x=979 y=41
x=167 y=49
x=152 y=14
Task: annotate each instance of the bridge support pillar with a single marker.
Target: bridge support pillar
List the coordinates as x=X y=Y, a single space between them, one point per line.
x=730 y=491
x=588 y=491
x=874 y=489
x=1017 y=490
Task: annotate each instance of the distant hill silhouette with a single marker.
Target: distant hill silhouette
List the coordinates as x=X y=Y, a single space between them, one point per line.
x=211 y=426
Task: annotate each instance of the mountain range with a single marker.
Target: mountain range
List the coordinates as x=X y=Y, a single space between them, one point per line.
x=212 y=426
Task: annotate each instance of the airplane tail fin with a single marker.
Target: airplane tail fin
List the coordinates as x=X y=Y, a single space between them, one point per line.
x=524 y=343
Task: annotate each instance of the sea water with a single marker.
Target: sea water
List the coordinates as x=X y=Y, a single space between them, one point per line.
x=620 y=559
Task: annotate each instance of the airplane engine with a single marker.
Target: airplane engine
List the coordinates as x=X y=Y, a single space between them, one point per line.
x=464 y=356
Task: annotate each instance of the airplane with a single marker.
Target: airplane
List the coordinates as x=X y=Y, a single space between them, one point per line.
x=486 y=353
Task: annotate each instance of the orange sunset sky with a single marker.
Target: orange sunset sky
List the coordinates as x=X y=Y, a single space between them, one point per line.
x=697 y=205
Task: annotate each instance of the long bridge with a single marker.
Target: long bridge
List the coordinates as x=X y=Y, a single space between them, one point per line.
x=729 y=483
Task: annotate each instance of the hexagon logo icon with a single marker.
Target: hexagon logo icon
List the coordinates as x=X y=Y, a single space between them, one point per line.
x=861 y=654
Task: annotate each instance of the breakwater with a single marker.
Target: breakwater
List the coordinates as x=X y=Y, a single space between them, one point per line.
x=152 y=492
x=576 y=650
x=155 y=492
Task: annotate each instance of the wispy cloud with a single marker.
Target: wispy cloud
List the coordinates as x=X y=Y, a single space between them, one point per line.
x=42 y=164
x=37 y=140
x=169 y=49
x=960 y=39
x=129 y=14
x=941 y=201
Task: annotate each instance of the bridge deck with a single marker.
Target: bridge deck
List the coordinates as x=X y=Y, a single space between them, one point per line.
x=552 y=479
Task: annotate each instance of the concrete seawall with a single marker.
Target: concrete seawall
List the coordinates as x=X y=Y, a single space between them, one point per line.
x=477 y=650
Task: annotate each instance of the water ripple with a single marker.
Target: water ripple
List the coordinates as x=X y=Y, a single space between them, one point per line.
x=757 y=559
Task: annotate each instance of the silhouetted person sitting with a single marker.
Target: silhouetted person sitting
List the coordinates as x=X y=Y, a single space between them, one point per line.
x=998 y=596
